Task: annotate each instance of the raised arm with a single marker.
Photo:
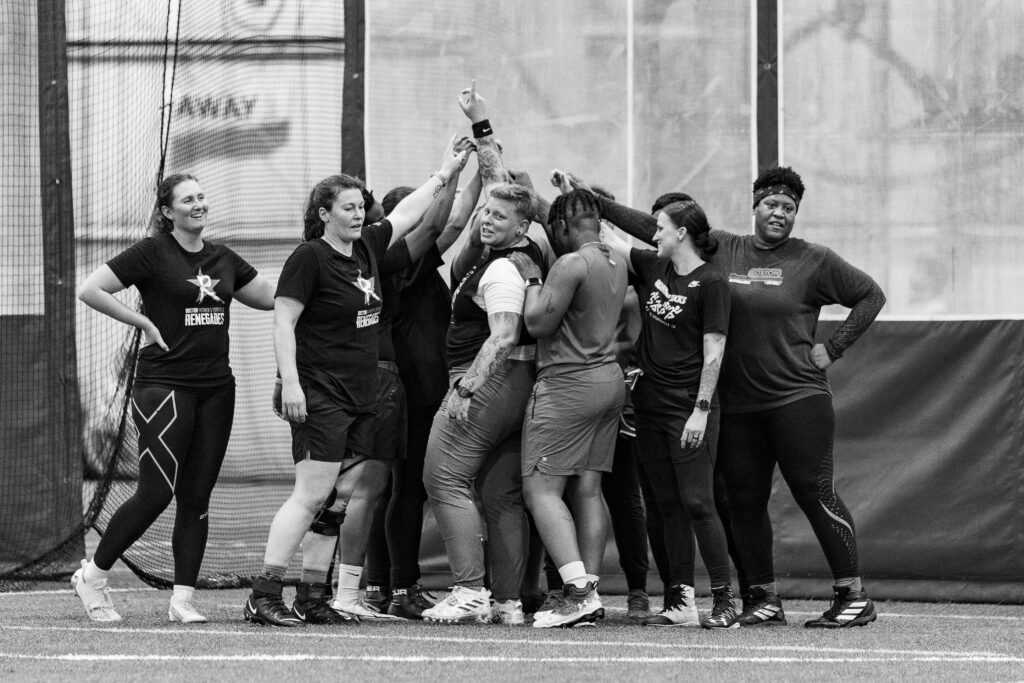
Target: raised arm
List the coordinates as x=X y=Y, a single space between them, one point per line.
x=409 y=211
x=461 y=213
x=547 y=303
x=492 y=169
x=97 y=292
x=436 y=218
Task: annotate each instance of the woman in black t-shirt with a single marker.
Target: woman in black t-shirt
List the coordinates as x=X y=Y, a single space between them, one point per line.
x=183 y=396
x=684 y=303
x=326 y=317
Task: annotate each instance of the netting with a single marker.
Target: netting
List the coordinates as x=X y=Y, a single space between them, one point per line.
x=906 y=119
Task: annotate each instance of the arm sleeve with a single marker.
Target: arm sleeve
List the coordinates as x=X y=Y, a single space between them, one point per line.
x=299 y=275
x=636 y=223
x=842 y=283
x=134 y=265
x=715 y=304
x=502 y=288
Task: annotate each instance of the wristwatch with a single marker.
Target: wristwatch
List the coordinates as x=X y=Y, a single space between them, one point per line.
x=462 y=391
x=704 y=405
x=531 y=281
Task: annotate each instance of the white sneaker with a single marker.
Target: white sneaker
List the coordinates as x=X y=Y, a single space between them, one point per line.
x=462 y=604
x=362 y=609
x=184 y=611
x=508 y=612
x=95 y=597
x=680 y=608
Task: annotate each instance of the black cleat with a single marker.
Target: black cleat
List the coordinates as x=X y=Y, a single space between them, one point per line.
x=409 y=603
x=638 y=605
x=849 y=608
x=723 y=612
x=264 y=605
x=311 y=606
x=762 y=608
x=379 y=597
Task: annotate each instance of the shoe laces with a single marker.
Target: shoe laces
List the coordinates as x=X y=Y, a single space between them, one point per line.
x=722 y=603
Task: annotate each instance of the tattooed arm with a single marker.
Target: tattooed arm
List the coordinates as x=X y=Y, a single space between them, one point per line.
x=409 y=211
x=505 y=329
x=488 y=154
x=696 y=426
x=546 y=304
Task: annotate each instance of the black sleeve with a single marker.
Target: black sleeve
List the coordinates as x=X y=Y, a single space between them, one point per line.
x=636 y=223
x=397 y=258
x=643 y=261
x=244 y=273
x=300 y=274
x=134 y=265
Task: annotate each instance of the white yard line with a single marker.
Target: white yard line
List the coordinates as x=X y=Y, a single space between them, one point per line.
x=372 y=634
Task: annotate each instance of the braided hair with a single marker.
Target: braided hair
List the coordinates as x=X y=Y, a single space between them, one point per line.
x=579 y=202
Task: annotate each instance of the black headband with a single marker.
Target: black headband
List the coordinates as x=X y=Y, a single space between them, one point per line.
x=781 y=188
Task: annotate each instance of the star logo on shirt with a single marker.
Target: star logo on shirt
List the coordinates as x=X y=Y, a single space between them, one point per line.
x=205 y=283
x=365 y=285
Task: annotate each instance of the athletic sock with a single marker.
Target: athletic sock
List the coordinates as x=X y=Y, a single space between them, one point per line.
x=348 y=581
x=92 y=573
x=274 y=572
x=853 y=582
x=768 y=588
x=183 y=593
x=574 y=573
x=311 y=575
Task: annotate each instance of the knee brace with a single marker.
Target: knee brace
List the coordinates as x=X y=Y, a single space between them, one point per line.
x=327 y=522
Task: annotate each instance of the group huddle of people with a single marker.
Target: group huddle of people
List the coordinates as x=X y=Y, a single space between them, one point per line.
x=567 y=375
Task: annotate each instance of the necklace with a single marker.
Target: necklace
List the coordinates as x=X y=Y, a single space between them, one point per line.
x=600 y=245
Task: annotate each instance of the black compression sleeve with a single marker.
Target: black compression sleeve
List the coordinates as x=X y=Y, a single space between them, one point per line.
x=636 y=223
x=860 y=318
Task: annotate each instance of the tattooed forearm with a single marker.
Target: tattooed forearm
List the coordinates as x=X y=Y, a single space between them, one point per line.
x=488 y=159
x=495 y=351
x=708 y=379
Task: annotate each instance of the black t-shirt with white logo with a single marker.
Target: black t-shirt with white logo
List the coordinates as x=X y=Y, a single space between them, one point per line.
x=677 y=311
x=336 y=344
x=188 y=297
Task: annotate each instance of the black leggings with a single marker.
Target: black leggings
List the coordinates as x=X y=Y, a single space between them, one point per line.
x=682 y=485
x=398 y=519
x=183 y=436
x=798 y=437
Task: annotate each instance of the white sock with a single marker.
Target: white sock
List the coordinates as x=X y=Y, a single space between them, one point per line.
x=348 y=581
x=574 y=573
x=183 y=593
x=92 y=573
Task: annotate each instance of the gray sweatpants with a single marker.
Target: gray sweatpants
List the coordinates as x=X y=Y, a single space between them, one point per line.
x=456 y=455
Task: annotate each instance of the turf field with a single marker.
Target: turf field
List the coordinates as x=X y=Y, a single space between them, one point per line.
x=44 y=635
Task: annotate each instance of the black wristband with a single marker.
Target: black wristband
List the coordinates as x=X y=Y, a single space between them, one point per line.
x=482 y=129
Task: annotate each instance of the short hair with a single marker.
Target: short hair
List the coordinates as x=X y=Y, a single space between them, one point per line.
x=690 y=217
x=668 y=198
x=579 y=203
x=394 y=196
x=322 y=197
x=158 y=222
x=780 y=175
x=520 y=197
